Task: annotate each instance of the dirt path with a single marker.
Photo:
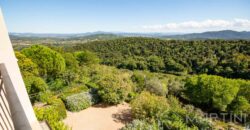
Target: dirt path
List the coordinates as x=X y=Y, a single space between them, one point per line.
x=99 y=117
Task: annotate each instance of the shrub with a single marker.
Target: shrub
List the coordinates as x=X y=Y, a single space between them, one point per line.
x=195 y=117
x=244 y=89
x=27 y=67
x=92 y=85
x=141 y=125
x=174 y=102
x=35 y=86
x=56 y=84
x=111 y=94
x=48 y=114
x=54 y=106
x=139 y=78
x=71 y=74
x=111 y=84
x=172 y=65
x=59 y=125
x=184 y=118
x=45 y=96
x=53 y=112
x=211 y=90
x=141 y=65
x=131 y=96
x=58 y=106
x=114 y=88
x=68 y=91
x=175 y=117
x=87 y=58
x=155 y=86
x=175 y=86
x=128 y=64
x=70 y=61
x=50 y=62
x=174 y=121
x=68 y=77
x=148 y=106
x=155 y=63
x=79 y=101
x=240 y=106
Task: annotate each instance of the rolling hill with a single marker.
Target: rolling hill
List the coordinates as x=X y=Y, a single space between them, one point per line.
x=224 y=34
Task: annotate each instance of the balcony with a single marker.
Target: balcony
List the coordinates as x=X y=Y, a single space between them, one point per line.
x=16 y=112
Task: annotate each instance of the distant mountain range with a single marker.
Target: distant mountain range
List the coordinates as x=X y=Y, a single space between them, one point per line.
x=224 y=34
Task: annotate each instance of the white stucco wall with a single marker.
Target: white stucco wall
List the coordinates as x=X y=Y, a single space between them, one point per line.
x=21 y=109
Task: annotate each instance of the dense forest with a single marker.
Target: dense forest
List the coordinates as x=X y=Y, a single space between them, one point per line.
x=164 y=81
x=218 y=57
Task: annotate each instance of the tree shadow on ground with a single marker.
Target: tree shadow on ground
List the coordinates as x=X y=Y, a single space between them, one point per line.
x=101 y=105
x=123 y=116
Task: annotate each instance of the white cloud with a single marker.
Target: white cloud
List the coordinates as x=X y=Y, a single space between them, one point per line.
x=198 y=26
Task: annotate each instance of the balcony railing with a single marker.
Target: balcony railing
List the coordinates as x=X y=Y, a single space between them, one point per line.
x=6 y=122
x=16 y=110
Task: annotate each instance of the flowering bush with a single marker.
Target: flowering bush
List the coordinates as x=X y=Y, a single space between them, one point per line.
x=141 y=125
x=79 y=101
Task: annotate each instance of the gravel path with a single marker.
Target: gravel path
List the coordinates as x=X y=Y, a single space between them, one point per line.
x=99 y=117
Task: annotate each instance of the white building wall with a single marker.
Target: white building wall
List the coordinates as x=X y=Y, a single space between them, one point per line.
x=20 y=106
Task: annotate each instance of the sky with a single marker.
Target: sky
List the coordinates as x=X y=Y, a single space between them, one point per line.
x=170 y=16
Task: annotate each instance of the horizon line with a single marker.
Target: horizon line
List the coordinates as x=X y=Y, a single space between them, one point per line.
x=110 y=32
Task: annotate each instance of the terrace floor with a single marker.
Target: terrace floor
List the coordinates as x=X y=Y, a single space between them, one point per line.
x=100 y=117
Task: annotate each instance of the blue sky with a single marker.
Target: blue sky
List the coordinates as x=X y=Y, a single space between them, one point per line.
x=77 y=16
